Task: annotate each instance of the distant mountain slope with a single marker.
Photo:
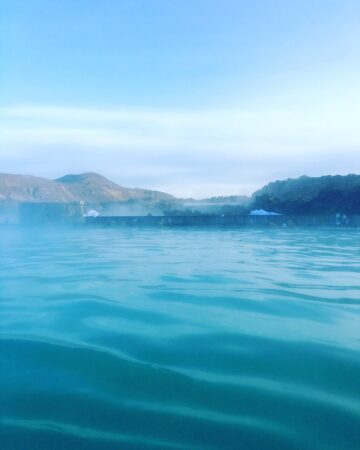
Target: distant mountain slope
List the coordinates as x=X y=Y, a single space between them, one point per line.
x=92 y=187
x=304 y=195
x=311 y=195
x=88 y=187
x=26 y=188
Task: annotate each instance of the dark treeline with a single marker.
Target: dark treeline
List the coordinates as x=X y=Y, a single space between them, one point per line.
x=310 y=195
x=301 y=196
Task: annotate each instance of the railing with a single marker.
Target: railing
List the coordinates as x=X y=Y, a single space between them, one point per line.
x=228 y=221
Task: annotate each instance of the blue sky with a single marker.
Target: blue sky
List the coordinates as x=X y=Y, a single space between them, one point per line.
x=197 y=97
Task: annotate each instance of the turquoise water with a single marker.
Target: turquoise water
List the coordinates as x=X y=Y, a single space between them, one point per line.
x=179 y=339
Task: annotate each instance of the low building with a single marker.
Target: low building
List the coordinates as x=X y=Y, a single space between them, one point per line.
x=51 y=213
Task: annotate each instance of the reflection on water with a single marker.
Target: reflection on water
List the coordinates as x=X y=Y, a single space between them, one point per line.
x=189 y=339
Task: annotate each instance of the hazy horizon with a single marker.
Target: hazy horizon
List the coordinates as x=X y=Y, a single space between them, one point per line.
x=239 y=194
x=197 y=98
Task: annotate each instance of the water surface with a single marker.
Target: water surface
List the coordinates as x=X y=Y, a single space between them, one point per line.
x=179 y=339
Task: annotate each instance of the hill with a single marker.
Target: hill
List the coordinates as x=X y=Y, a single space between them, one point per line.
x=27 y=188
x=94 y=188
x=304 y=195
x=87 y=187
x=311 y=195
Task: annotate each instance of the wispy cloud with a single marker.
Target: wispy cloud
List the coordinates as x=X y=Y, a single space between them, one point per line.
x=188 y=152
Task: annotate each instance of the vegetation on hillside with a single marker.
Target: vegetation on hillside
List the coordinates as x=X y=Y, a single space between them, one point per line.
x=300 y=196
x=311 y=195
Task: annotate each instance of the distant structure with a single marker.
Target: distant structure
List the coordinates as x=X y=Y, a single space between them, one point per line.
x=263 y=212
x=216 y=220
x=9 y=213
x=92 y=213
x=51 y=213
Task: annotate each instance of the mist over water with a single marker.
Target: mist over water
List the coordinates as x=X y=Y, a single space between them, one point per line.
x=179 y=339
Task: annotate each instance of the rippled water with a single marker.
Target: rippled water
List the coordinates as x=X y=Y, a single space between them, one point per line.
x=179 y=339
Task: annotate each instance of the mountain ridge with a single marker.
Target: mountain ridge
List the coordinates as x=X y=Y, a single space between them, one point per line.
x=328 y=194
x=87 y=187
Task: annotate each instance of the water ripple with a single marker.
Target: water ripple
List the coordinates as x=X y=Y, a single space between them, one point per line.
x=180 y=339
